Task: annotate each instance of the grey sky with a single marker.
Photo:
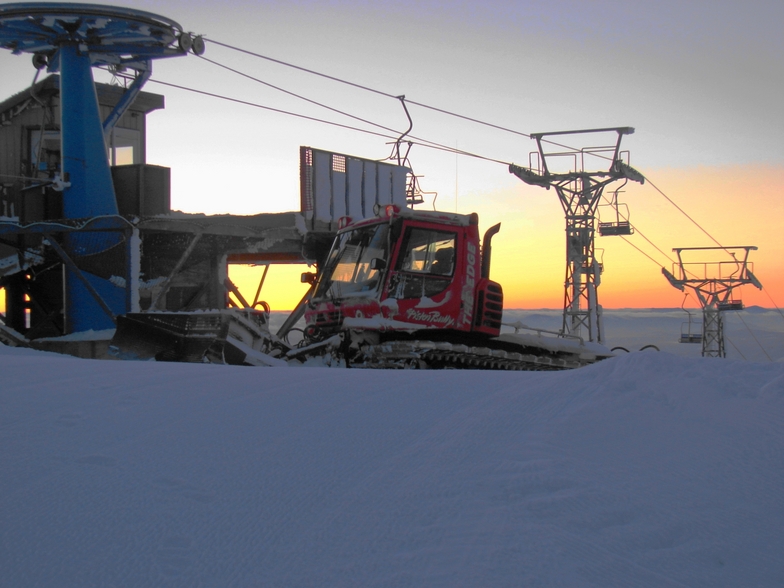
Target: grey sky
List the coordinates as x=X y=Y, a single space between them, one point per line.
x=702 y=82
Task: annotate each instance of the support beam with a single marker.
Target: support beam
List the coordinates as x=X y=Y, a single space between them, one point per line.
x=131 y=92
x=175 y=271
x=261 y=285
x=133 y=269
x=236 y=291
x=78 y=273
x=296 y=314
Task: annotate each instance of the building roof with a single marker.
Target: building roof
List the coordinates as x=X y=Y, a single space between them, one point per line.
x=108 y=95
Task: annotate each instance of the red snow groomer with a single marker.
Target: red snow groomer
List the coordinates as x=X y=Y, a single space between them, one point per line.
x=412 y=289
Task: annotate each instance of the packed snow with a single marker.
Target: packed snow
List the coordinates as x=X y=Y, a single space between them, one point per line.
x=648 y=469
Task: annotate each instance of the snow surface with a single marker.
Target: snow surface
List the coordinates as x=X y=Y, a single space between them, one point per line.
x=648 y=469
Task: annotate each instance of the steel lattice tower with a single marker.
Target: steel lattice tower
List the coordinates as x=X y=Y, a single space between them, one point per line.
x=579 y=192
x=713 y=283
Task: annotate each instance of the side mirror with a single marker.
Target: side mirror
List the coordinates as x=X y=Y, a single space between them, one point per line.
x=308 y=278
x=377 y=263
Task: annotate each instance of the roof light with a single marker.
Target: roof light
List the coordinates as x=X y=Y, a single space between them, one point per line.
x=343 y=222
x=390 y=210
x=385 y=210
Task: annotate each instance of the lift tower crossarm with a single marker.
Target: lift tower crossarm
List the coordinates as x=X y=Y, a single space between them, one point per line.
x=579 y=191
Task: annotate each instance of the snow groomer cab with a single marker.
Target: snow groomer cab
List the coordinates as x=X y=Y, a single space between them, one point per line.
x=405 y=271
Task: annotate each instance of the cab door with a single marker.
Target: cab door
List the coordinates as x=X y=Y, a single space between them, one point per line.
x=422 y=278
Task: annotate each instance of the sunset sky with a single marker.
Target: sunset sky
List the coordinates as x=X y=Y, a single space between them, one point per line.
x=702 y=83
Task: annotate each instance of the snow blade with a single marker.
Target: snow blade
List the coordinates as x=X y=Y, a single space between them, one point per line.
x=168 y=336
x=235 y=337
x=12 y=338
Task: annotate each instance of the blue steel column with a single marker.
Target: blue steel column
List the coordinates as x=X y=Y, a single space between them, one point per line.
x=91 y=192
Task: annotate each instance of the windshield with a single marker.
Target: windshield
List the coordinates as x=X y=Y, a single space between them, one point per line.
x=348 y=268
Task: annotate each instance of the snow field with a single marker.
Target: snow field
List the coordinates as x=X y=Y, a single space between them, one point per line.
x=644 y=470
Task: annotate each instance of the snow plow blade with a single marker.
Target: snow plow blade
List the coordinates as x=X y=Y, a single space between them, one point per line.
x=220 y=336
x=165 y=336
x=12 y=338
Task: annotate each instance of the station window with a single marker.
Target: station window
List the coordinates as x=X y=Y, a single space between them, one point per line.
x=45 y=150
x=124 y=147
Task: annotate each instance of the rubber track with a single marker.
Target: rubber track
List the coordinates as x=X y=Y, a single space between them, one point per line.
x=445 y=355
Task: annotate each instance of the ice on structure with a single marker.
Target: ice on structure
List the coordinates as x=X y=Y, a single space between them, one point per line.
x=118 y=281
x=426 y=302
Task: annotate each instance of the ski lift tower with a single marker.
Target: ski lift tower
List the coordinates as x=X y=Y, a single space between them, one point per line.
x=579 y=190
x=72 y=39
x=713 y=283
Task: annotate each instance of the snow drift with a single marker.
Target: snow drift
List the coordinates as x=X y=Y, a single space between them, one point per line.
x=643 y=470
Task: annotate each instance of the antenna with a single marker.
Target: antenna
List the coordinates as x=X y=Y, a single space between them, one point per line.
x=713 y=283
x=580 y=192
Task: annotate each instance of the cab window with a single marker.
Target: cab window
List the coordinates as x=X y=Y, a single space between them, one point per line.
x=429 y=252
x=349 y=269
x=425 y=264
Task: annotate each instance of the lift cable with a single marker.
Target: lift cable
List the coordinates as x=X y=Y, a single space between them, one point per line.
x=368 y=89
x=432 y=144
x=660 y=251
x=735 y=347
x=640 y=250
x=388 y=95
x=709 y=235
x=250 y=77
x=338 y=111
x=420 y=142
x=683 y=212
x=449 y=113
x=773 y=302
x=637 y=231
x=640 y=233
x=76 y=226
x=753 y=336
x=270 y=108
x=427 y=143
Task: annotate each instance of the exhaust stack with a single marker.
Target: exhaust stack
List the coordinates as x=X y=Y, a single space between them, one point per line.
x=487 y=248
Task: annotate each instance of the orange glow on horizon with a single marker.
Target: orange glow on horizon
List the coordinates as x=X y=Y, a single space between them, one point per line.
x=738 y=205
x=282 y=288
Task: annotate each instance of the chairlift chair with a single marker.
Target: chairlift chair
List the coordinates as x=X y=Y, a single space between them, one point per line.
x=621 y=225
x=686 y=327
x=688 y=336
x=731 y=305
x=611 y=229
